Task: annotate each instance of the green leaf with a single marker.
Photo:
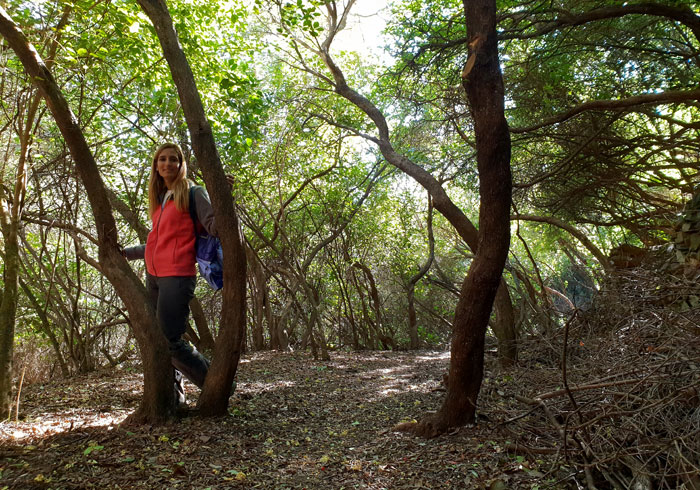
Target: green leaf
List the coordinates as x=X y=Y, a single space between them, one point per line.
x=90 y=449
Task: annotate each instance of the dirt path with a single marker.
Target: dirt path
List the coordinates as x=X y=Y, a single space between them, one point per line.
x=294 y=423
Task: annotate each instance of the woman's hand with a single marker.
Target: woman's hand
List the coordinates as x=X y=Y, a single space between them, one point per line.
x=230 y=179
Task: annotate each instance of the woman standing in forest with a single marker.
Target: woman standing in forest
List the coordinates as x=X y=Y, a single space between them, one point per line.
x=170 y=257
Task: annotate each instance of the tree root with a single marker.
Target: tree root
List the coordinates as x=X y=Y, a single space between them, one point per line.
x=143 y=417
x=428 y=428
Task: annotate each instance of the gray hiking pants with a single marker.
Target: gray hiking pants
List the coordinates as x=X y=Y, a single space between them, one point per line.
x=171 y=297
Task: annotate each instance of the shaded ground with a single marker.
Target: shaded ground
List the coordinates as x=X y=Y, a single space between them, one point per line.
x=294 y=423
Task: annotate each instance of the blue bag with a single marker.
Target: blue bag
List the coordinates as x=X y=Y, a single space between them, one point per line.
x=208 y=251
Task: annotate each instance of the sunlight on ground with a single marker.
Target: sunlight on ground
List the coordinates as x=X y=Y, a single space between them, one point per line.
x=403 y=379
x=59 y=423
x=260 y=386
x=433 y=356
x=387 y=382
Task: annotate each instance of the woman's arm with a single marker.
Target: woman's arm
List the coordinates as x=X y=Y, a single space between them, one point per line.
x=134 y=253
x=205 y=213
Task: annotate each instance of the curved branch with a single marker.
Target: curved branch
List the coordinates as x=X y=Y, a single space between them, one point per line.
x=644 y=99
x=684 y=15
x=597 y=253
x=441 y=200
x=352 y=130
x=328 y=240
x=615 y=105
x=157 y=396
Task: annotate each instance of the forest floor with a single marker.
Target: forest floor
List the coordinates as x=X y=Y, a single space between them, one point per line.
x=608 y=399
x=293 y=423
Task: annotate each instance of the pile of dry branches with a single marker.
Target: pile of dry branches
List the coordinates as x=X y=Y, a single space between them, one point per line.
x=614 y=397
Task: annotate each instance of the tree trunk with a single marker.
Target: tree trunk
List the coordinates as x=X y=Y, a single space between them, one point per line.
x=227 y=352
x=504 y=326
x=273 y=329
x=206 y=340
x=258 y=290
x=412 y=322
x=366 y=326
x=158 y=403
x=8 y=310
x=10 y=219
x=350 y=316
x=373 y=291
x=483 y=83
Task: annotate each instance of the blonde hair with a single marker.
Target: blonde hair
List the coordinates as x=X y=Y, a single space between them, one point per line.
x=157 y=187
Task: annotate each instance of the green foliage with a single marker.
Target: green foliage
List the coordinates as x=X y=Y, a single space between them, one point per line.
x=303 y=15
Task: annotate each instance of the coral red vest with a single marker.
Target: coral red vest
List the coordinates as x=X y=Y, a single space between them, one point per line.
x=170 y=245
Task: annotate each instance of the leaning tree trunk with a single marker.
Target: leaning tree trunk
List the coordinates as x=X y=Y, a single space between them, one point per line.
x=227 y=352
x=483 y=83
x=158 y=402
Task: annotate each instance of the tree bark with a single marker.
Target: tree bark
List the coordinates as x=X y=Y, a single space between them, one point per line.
x=158 y=403
x=227 y=352
x=483 y=83
x=206 y=340
x=8 y=310
x=10 y=218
